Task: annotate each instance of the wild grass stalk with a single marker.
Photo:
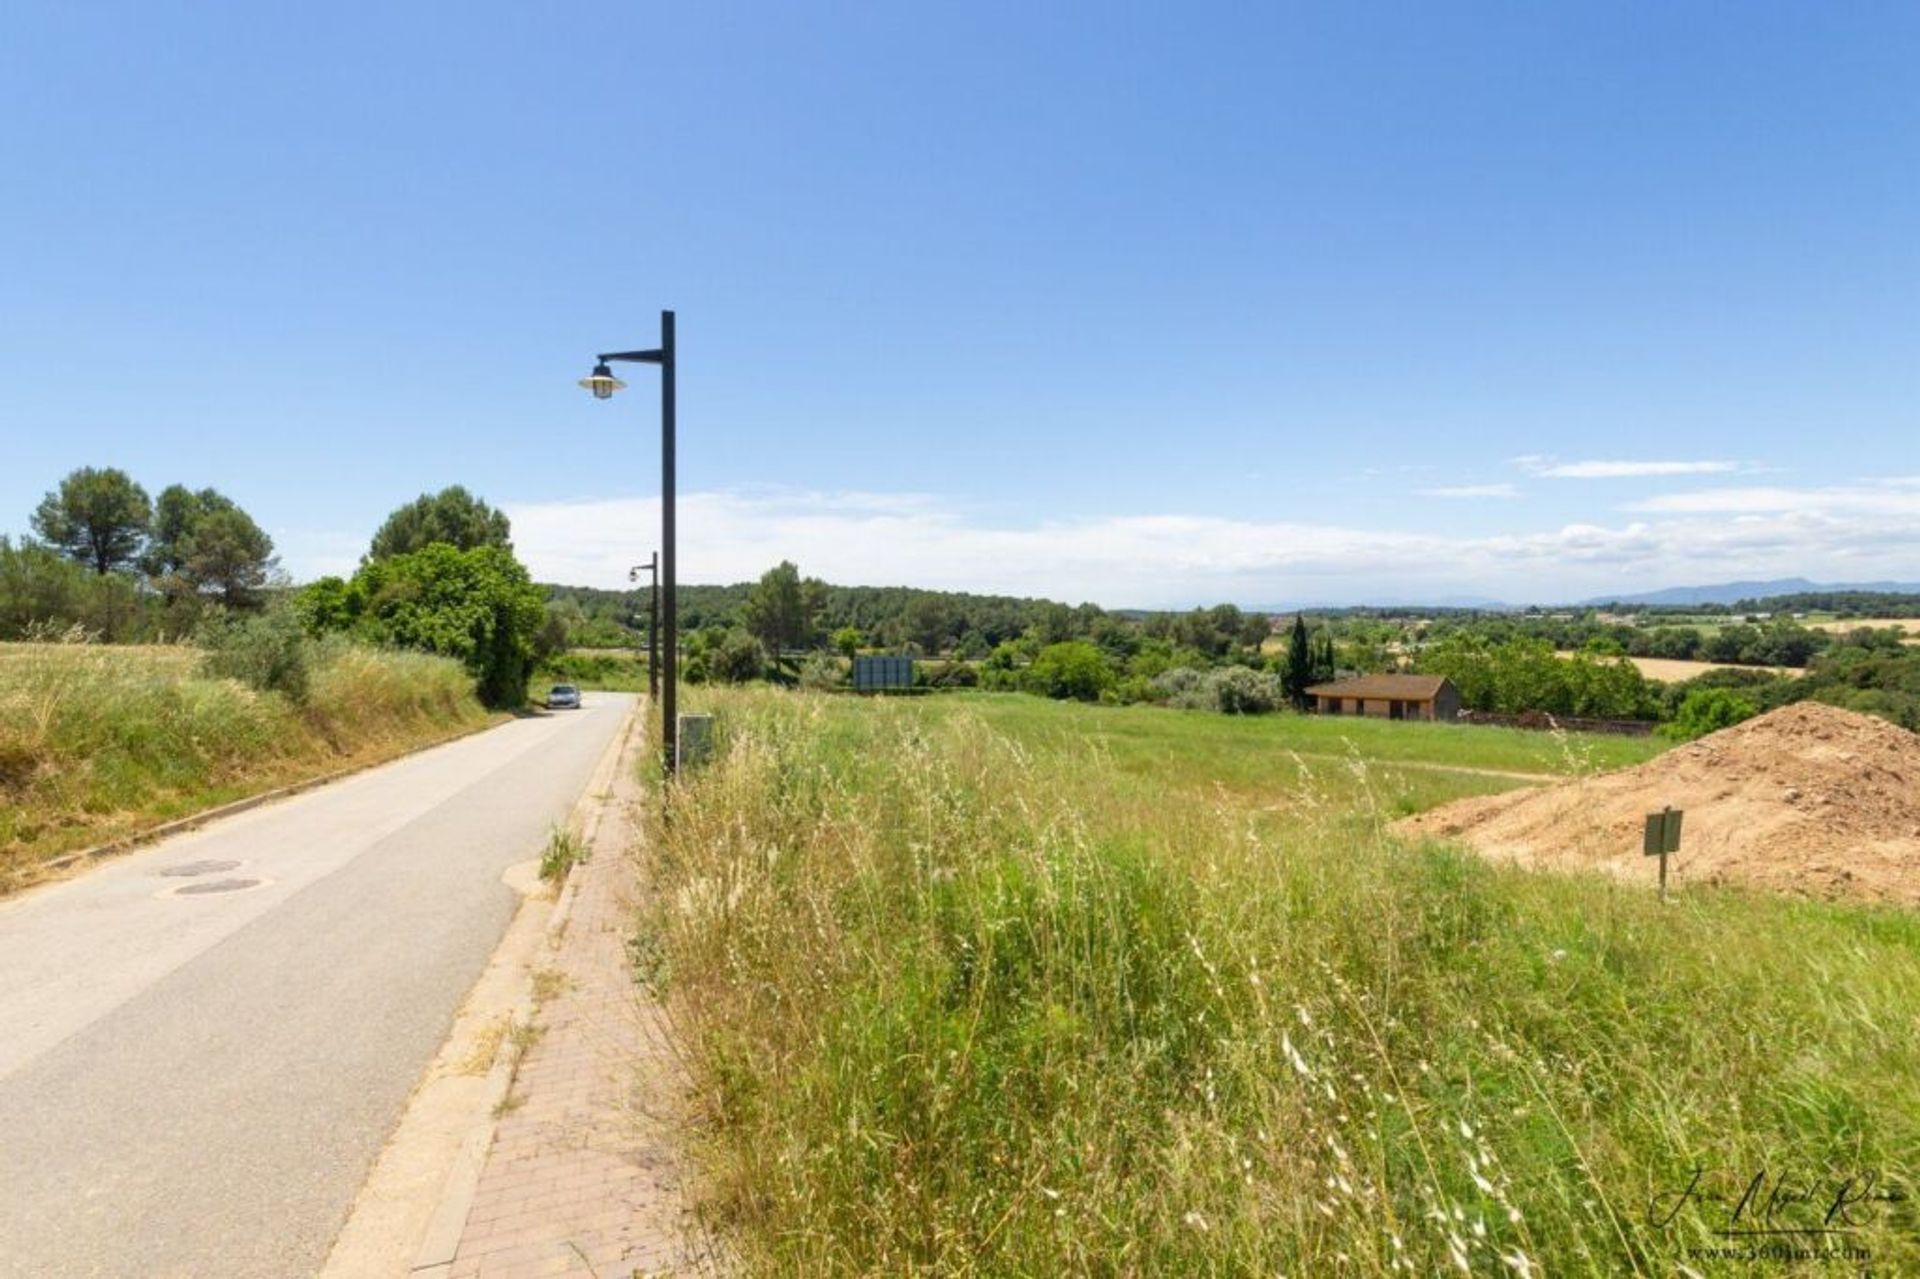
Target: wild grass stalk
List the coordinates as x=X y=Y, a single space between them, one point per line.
x=962 y=998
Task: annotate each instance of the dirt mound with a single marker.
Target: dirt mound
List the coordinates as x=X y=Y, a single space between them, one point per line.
x=1808 y=799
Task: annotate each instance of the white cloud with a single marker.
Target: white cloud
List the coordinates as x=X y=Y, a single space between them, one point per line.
x=1471 y=491
x=1897 y=496
x=1547 y=468
x=1156 y=560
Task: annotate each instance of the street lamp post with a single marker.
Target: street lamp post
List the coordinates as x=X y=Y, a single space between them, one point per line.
x=603 y=384
x=651 y=567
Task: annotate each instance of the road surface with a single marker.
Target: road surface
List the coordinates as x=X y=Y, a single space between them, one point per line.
x=197 y=1070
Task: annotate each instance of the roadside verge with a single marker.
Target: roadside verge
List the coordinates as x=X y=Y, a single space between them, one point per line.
x=53 y=866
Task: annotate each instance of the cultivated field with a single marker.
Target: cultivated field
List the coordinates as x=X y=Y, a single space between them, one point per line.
x=988 y=985
x=1672 y=670
x=100 y=741
x=1910 y=627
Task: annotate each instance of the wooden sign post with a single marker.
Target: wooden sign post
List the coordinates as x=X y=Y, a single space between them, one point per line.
x=1662 y=837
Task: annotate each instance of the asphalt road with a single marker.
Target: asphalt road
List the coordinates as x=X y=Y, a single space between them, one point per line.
x=196 y=1084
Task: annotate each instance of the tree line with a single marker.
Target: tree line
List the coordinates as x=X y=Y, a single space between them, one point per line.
x=439 y=575
x=119 y=563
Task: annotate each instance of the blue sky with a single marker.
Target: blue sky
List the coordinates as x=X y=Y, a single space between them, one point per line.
x=1150 y=305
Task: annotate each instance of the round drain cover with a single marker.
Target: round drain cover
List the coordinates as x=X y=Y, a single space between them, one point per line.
x=198 y=868
x=217 y=886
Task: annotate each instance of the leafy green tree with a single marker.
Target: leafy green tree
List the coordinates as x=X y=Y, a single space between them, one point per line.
x=1325 y=667
x=847 y=641
x=330 y=604
x=202 y=543
x=783 y=611
x=1052 y=624
x=229 y=556
x=176 y=512
x=1708 y=710
x=452 y=516
x=477 y=605
x=930 y=623
x=737 y=659
x=551 y=638
x=1075 y=669
x=40 y=588
x=97 y=517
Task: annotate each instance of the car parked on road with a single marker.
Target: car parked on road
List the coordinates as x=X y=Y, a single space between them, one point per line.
x=563 y=697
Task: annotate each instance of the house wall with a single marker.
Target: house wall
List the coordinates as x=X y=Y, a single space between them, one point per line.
x=1444 y=708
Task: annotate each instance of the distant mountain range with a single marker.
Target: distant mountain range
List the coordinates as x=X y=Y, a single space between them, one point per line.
x=1734 y=592
x=1672 y=596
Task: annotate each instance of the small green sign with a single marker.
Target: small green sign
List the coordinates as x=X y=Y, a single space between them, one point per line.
x=1663 y=833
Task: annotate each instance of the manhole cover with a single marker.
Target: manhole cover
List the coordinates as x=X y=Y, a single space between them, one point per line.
x=187 y=869
x=217 y=886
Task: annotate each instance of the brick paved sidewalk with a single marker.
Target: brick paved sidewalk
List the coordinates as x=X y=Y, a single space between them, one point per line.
x=583 y=1177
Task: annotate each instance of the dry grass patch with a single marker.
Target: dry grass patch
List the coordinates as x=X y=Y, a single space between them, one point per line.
x=98 y=741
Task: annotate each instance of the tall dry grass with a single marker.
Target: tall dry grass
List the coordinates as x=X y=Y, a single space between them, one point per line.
x=97 y=741
x=959 y=1002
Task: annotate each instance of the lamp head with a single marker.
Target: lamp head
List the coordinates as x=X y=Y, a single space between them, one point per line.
x=602 y=382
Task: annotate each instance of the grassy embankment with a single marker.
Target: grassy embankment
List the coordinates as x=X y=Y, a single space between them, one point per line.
x=101 y=741
x=986 y=985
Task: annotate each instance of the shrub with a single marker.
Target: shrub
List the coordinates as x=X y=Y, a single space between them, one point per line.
x=946 y=675
x=1075 y=670
x=1233 y=690
x=822 y=671
x=1708 y=710
x=1180 y=687
x=269 y=651
x=1239 y=691
x=737 y=659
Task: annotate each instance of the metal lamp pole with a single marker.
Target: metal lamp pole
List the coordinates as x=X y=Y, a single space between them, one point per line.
x=603 y=384
x=653 y=620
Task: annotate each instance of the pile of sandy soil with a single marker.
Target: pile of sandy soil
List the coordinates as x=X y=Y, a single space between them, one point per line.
x=1807 y=799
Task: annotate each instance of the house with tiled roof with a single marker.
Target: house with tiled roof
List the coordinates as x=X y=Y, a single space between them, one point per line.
x=1428 y=697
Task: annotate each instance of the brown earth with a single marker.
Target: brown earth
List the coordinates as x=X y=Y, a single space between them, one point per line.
x=1807 y=799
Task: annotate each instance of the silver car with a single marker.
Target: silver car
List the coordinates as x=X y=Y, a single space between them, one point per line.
x=563 y=697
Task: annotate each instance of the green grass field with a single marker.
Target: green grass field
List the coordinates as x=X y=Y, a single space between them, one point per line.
x=1405 y=767
x=101 y=741
x=986 y=985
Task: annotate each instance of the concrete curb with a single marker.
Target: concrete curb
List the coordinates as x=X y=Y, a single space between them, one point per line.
x=449 y=1221
x=127 y=843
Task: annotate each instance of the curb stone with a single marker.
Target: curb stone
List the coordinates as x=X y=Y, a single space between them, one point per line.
x=444 y=1230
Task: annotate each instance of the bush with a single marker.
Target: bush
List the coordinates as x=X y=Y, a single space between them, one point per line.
x=822 y=671
x=946 y=675
x=269 y=651
x=1075 y=670
x=1233 y=690
x=737 y=659
x=1708 y=710
x=1239 y=691
x=1180 y=687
